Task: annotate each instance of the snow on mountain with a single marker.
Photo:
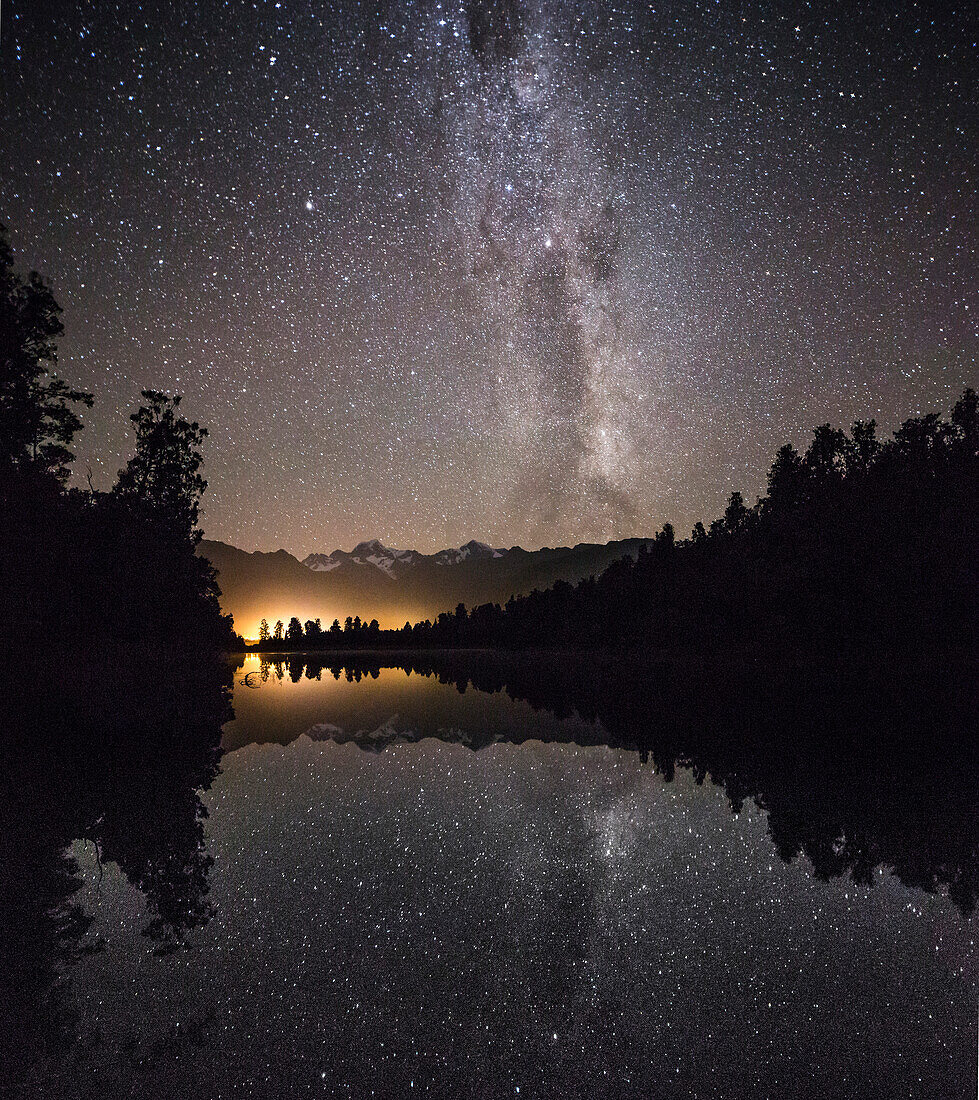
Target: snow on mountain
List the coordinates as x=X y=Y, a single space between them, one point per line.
x=472 y=549
x=392 y=562
x=370 y=552
x=320 y=563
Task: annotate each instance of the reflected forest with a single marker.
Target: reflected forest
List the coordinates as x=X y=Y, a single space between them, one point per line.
x=872 y=775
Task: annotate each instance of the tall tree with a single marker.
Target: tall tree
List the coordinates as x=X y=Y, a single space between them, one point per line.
x=786 y=478
x=736 y=514
x=828 y=455
x=865 y=444
x=163 y=476
x=38 y=420
x=665 y=540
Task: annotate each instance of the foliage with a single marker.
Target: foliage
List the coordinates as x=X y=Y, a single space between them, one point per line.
x=86 y=568
x=38 y=421
x=163 y=477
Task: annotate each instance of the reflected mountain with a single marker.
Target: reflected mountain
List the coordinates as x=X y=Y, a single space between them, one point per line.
x=857 y=766
x=576 y=892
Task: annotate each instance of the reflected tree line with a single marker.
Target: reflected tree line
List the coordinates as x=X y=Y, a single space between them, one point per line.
x=859 y=542
x=116 y=763
x=106 y=738
x=857 y=764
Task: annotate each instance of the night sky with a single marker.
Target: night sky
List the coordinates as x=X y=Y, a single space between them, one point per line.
x=533 y=274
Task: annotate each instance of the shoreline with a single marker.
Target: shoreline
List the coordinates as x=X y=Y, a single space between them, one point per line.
x=706 y=657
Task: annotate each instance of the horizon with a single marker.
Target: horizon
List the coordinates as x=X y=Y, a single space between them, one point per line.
x=300 y=556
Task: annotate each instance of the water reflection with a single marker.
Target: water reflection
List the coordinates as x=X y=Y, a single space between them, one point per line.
x=573 y=910
x=856 y=765
x=113 y=764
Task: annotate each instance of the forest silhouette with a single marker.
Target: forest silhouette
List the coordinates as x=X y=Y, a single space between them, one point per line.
x=857 y=542
x=860 y=547
x=86 y=568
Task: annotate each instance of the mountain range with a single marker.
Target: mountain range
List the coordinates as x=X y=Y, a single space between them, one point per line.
x=375 y=581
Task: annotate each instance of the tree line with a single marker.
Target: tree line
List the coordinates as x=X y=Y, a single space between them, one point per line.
x=859 y=541
x=311 y=633
x=87 y=567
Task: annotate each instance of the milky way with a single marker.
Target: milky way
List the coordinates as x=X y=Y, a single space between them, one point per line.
x=535 y=205
x=527 y=272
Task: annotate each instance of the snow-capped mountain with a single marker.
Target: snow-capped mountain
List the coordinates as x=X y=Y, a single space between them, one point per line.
x=374 y=553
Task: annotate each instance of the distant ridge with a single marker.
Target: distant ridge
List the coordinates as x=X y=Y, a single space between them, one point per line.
x=391 y=585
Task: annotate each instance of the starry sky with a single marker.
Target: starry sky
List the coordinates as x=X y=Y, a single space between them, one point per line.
x=532 y=273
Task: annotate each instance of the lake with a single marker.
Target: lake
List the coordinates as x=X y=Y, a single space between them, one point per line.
x=386 y=881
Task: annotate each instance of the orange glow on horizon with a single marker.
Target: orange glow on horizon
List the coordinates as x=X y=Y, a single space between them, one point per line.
x=251 y=632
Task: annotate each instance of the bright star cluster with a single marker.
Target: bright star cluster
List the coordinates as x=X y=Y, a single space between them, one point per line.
x=529 y=272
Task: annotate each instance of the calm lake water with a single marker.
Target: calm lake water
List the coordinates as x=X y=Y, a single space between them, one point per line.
x=418 y=889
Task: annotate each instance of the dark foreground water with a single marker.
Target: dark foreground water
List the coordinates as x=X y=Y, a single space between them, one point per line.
x=379 y=884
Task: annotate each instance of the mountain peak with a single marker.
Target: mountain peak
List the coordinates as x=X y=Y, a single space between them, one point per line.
x=472 y=550
x=371 y=546
x=373 y=552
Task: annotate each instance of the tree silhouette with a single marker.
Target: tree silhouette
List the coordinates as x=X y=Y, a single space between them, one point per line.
x=786 y=479
x=736 y=514
x=965 y=417
x=665 y=539
x=866 y=446
x=88 y=568
x=828 y=455
x=163 y=477
x=38 y=421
